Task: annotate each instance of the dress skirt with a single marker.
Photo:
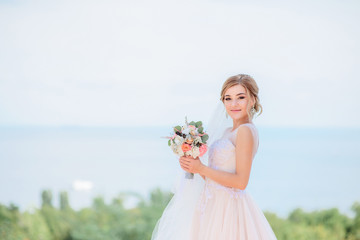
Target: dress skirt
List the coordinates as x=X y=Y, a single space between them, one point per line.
x=225 y=213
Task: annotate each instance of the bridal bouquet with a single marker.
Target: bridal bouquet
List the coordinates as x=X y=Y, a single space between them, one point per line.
x=189 y=140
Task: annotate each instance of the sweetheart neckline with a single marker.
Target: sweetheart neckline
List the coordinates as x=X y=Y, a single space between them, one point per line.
x=221 y=139
x=232 y=145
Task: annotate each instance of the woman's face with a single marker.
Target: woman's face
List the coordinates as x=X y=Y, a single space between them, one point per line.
x=236 y=102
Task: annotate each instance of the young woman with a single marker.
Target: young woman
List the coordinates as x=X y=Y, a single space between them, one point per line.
x=224 y=209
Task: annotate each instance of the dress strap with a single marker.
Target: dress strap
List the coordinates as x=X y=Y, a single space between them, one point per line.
x=254 y=130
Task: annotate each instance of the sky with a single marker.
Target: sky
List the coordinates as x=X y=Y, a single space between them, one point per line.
x=150 y=63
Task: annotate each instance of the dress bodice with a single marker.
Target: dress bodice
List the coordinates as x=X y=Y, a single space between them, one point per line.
x=222 y=157
x=222 y=151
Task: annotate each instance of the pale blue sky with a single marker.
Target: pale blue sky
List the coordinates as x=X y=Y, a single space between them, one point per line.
x=115 y=63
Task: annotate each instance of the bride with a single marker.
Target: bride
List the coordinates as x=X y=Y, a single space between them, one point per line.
x=216 y=205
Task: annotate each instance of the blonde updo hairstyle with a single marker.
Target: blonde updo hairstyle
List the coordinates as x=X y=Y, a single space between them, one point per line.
x=252 y=91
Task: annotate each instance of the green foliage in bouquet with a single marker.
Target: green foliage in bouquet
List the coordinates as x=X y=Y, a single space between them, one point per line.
x=198 y=125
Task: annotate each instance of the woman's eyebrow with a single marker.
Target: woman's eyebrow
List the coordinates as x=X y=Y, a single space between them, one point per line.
x=236 y=94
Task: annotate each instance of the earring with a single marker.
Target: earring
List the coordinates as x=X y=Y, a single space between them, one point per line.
x=252 y=110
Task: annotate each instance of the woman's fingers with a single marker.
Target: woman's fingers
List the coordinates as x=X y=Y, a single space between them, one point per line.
x=184 y=158
x=185 y=163
x=184 y=168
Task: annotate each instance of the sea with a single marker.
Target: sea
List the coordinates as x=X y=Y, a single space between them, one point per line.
x=312 y=168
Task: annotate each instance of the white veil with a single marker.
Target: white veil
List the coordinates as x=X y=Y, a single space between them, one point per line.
x=175 y=222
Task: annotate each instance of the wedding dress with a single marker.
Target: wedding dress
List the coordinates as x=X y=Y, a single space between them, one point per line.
x=225 y=213
x=207 y=210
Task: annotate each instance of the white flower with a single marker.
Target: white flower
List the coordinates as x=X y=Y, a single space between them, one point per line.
x=179 y=151
x=178 y=140
x=195 y=152
x=197 y=139
x=186 y=130
x=173 y=146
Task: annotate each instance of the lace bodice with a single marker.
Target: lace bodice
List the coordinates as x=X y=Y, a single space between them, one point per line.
x=222 y=157
x=222 y=151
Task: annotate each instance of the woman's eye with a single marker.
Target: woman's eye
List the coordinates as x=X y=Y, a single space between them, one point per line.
x=230 y=98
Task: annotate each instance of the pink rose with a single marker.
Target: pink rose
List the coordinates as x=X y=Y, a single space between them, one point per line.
x=202 y=149
x=185 y=147
x=192 y=127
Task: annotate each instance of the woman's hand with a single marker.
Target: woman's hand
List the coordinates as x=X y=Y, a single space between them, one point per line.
x=190 y=164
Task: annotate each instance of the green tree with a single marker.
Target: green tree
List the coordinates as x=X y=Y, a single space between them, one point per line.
x=354 y=229
x=64 y=201
x=58 y=228
x=114 y=221
x=36 y=226
x=11 y=226
x=46 y=197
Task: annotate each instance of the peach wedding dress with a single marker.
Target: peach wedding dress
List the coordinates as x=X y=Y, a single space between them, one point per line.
x=224 y=213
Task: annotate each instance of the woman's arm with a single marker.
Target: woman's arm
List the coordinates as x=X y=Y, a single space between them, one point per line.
x=243 y=154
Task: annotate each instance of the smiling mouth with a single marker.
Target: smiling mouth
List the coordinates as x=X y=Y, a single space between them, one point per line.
x=235 y=110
